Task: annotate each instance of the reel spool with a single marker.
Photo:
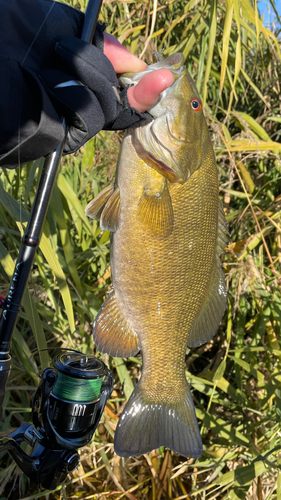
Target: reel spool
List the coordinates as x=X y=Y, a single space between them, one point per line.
x=76 y=392
x=70 y=400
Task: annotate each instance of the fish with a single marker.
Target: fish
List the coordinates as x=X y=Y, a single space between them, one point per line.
x=168 y=232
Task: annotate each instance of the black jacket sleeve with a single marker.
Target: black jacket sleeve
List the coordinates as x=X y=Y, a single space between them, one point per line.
x=40 y=50
x=29 y=124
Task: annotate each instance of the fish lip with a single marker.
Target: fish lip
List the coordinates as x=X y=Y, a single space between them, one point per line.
x=174 y=63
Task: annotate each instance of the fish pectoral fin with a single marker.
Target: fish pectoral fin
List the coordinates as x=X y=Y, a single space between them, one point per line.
x=96 y=206
x=145 y=426
x=110 y=216
x=112 y=333
x=155 y=212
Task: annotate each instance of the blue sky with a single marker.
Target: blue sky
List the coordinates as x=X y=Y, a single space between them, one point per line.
x=266 y=9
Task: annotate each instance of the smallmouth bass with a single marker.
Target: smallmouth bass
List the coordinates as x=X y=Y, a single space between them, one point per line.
x=168 y=232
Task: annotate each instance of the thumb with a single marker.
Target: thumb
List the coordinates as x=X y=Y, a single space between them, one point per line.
x=146 y=93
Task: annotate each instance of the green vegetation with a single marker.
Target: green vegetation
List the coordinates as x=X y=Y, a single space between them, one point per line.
x=236 y=379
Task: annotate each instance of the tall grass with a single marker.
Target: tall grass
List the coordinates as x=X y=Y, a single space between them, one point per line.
x=236 y=379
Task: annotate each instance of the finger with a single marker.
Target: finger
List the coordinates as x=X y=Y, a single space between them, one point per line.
x=121 y=59
x=146 y=93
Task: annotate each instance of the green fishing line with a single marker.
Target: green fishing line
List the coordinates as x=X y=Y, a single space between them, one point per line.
x=80 y=390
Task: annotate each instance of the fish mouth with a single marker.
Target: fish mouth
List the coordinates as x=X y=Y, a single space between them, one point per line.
x=174 y=63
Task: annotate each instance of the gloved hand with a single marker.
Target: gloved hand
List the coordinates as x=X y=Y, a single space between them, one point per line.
x=93 y=99
x=32 y=66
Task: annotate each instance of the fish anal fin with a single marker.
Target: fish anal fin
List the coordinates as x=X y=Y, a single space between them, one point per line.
x=110 y=216
x=155 y=212
x=145 y=426
x=96 y=206
x=112 y=333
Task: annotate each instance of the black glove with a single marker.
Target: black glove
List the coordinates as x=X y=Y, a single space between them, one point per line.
x=98 y=103
x=33 y=63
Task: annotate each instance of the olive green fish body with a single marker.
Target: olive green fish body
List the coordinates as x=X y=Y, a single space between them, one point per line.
x=162 y=282
x=169 y=290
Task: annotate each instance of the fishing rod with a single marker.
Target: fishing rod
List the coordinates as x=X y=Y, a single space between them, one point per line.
x=71 y=397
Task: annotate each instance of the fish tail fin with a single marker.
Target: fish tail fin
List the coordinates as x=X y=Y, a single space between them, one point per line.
x=145 y=426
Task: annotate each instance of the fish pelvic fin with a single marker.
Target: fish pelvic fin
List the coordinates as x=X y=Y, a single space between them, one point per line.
x=211 y=313
x=110 y=216
x=155 y=212
x=95 y=207
x=111 y=331
x=145 y=426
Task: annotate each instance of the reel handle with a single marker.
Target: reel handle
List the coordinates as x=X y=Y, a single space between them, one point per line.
x=45 y=467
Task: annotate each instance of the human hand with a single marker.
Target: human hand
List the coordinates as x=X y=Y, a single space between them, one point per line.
x=146 y=93
x=97 y=102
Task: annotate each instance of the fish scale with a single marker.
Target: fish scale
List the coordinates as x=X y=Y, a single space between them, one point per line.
x=169 y=289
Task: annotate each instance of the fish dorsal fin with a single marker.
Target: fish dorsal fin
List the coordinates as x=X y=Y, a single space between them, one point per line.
x=96 y=206
x=112 y=333
x=207 y=322
x=110 y=217
x=155 y=212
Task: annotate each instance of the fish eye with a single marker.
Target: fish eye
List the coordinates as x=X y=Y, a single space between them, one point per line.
x=195 y=104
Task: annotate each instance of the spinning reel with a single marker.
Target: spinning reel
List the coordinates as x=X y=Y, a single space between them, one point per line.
x=67 y=408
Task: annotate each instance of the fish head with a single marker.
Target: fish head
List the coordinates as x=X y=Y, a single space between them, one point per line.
x=174 y=142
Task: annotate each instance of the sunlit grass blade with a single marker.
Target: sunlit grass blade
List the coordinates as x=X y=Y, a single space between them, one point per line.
x=226 y=36
x=211 y=44
x=238 y=51
x=56 y=268
x=253 y=125
x=124 y=377
x=248 y=145
x=58 y=210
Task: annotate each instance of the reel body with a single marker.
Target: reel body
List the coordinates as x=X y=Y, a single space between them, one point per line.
x=67 y=408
